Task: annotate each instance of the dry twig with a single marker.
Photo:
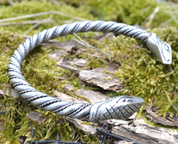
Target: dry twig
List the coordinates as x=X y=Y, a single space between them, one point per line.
x=37 y=24
x=82 y=42
x=26 y=22
x=173 y=17
x=11 y=2
x=151 y=16
x=40 y=14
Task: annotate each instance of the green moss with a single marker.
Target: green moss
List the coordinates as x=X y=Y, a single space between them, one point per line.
x=135 y=12
x=64 y=14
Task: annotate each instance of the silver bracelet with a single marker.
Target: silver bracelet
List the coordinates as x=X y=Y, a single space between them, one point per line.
x=121 y=107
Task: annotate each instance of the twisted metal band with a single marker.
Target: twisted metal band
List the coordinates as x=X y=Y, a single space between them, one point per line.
x=121 y=107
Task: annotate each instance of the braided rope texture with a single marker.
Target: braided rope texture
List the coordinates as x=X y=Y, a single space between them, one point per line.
x=121 y=107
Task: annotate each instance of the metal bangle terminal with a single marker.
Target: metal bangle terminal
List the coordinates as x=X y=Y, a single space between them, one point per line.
x=161 y=50
x=121 y=107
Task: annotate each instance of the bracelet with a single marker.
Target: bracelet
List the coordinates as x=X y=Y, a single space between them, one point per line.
x=121 y=107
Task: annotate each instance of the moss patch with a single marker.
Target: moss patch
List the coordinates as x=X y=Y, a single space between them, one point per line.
x=136 y=12
x=148 y=14
x=56 y=14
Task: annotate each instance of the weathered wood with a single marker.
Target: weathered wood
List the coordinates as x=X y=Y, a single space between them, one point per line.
x=98 y=78
x=151 y=114
x=144 y=134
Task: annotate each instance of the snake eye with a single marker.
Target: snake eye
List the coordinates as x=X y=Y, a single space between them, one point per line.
x=166 y=52
x=166 y=47
x=127 y=100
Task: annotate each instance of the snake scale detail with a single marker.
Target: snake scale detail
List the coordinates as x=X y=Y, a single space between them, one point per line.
x=121 y=107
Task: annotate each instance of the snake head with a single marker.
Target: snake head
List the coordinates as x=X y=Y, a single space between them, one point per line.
x=121 y=107
x=161 y=50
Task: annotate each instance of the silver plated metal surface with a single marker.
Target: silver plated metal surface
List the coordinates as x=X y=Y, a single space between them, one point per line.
x=121 y=107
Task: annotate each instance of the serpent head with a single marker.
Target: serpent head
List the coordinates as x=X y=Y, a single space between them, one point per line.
x=161 y=50
x=121 y=107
